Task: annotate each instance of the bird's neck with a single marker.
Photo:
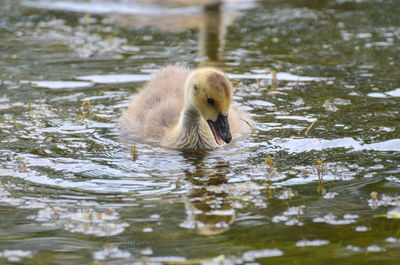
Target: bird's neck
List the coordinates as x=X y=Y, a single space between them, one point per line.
x=193 y=131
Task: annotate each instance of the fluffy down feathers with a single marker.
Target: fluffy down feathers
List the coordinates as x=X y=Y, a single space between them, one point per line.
x=178 y=105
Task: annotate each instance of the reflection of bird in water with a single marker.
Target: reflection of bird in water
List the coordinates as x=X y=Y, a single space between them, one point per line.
x=212 y=32
x=209 y=211
x=208 y=16
x=185 y=109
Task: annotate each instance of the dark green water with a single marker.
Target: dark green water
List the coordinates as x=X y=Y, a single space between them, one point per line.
x=72 y=192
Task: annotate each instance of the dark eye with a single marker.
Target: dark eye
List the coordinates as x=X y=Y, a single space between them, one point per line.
x=210 y=101
x=195 y=87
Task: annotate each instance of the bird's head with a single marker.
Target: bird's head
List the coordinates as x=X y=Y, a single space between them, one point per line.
x=211 y=94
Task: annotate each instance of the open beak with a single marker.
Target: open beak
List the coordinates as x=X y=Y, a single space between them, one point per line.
x=220 y=129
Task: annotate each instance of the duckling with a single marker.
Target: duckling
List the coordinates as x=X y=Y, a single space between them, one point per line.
x=185 y=109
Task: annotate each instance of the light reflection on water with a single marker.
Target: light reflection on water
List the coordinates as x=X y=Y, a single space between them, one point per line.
x=71 y=185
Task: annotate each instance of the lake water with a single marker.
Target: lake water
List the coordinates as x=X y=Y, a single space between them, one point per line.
x=317 y=182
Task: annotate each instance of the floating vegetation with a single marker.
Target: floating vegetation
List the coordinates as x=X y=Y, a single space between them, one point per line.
x=374 y=202
x=134 y=152
x=374 y=199
x=329 y=106
x=85 y=111
x=86 y=108
x=86 y=220
x=321 y=170
x=309 y=127
x=22 y=168
x=274 y=81
x=305 y=173
x=87 y=20
x=271 y=171
x=270 y=190
x=286 y=194
x=249 y=124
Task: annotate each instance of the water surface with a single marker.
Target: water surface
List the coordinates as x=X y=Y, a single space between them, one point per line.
x=316 y=183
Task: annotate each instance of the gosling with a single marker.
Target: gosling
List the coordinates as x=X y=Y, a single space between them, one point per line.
x=185 y=109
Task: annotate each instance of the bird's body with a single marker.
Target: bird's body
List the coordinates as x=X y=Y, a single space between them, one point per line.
x=185 y=109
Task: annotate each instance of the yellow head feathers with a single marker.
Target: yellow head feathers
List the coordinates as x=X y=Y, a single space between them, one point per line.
x=211 y=92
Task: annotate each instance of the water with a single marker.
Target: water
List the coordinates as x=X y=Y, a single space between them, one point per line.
x=316 y=183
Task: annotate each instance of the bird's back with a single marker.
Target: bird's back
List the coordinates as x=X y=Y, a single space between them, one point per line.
x=157 y=105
